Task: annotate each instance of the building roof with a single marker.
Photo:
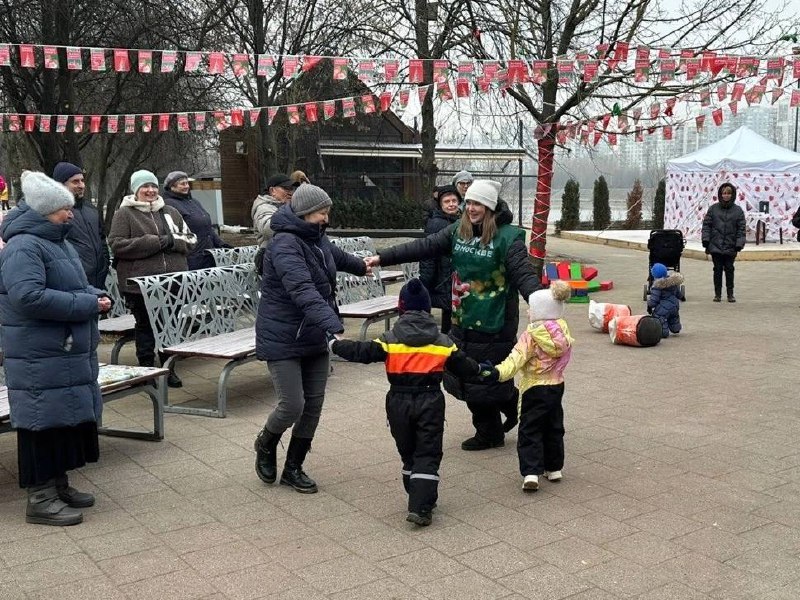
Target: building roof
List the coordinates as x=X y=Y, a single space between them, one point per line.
x=443 y=151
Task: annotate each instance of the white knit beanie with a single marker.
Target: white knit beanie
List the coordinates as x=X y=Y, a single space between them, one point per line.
x=45 y=195
x=548 y=304
x=484 y=191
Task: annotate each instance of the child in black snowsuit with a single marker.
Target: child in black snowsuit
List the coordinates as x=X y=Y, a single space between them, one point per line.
x=664 y=301
x=415 y=354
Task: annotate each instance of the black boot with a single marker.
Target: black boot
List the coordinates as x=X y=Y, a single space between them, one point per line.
x=293 y=473
x=266 y=446
x=71 y=496
x=46 y=508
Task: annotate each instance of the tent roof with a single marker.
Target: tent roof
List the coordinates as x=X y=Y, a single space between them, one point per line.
x=743 y=149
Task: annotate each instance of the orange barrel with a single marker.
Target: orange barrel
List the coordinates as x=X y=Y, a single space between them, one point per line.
x=601 y=313
x=635 y=330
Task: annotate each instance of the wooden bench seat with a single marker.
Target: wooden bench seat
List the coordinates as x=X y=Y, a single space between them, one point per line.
x=123 y=327
x=117 y=381
x=371 y=310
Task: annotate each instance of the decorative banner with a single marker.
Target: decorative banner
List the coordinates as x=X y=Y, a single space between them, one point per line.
x=776 y=93
x=77 y=123
x=366 y=70
x=441 y=69
x=29 y=123
x=716 y=114
x=13 y=122
x=122 y=62
x=667 y=131
x=490 y=70
x=216 y=63
x=311 y=110
x=294 y=114
x=222 y=122
x=237 y=117
x=74 y=60
x=130 y=123
x=163 y=122
x=705 y=97
x=385 y=101
x=564 y=71
x=27 y=58
x=692 y=68
x=670 y=106
x=271 y=112
x=145 y=61
x=265 y=67
x=240 y=64
x=368 y=104
x=795 y=69
x=655 y=110
x=50 y=57
x=200 y=121
x=422 y=93
x=403 y=96
x=737 y=92
x=340 y=69
x=699 y=121
x=94 y=123
x=182 y=121
x=734 y=106
x=348 y=108
x=290 y=64
x=329 y=109
x=390 y=70
x=147 y=123
x=255 y=113
x=539 y=71
x=668 y=68
x=722 y=91
x=112 y=123
x=192 y=62
x=309 y=62
x=415 y=71
x=517 y=72
x=641 y=70
x=795 y=100
x=5 y=55
x=590 y=70
x=168 y=60
x=775 y=66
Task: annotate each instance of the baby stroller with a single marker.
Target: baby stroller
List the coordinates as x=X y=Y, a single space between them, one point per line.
x=666 y=247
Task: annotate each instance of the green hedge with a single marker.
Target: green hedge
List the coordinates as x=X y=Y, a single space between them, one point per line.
x=383 y=211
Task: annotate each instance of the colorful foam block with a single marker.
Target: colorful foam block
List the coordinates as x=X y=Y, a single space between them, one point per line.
x=551 y=271
x=575 y=271
x=606 y=285
x=563 y=270
x=579 y=300
x=579 y=284
x=593 y=285
x=588 y=273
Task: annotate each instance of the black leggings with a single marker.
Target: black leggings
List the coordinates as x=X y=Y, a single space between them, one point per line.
x=723 y=262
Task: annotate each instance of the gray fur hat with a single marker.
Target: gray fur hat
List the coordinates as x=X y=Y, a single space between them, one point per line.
x=309 y=198
x=45 y=195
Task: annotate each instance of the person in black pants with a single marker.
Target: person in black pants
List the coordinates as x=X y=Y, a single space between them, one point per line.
x=723 y=237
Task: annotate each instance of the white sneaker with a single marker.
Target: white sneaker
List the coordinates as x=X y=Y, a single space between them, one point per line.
x=553 y=475
x=530 y=483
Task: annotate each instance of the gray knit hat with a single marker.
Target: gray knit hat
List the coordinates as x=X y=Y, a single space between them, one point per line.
x=45 y=195
x=173 y=178
x=463 y=177
x=309 y=198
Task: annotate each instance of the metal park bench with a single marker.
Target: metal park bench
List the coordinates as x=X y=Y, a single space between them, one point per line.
x=208 y=313
x=119 y=322
x=225 y=257
x=119 y=382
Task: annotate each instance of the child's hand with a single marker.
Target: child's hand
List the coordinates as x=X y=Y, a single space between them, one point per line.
x=488 y=372
x=332 y=337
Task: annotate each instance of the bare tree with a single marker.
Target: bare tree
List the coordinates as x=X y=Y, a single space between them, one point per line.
x=549 y=29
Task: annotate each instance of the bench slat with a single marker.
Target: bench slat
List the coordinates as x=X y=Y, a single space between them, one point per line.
x=235 y=344
x=373 y=307
x=122 y=324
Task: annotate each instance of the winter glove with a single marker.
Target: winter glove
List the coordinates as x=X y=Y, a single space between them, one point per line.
x=166 y=241
x=488 y=372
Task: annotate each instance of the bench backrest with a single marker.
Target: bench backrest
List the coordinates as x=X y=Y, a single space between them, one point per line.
x=191 y=305
x=225 y=257
x=112 y=287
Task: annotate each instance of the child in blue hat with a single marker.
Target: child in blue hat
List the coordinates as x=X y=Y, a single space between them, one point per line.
x=664 y=300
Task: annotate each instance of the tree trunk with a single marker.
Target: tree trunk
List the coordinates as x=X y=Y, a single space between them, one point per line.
x=427 y=163
x=541 y=205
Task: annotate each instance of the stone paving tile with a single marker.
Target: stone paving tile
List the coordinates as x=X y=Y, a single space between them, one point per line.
x=699 y=572
x=303 y=552
x=464 y=586
x=382 y=588
x=644 y=548
x=673 y=591
x=624 y=577
x=11 y=591
x=142 y=565
x=573 y=554
x=96 y=587
x=664 y=524
x=420 y=565
x=728 y=519
x=55 y=571
x=340 y=574
x=714 y=543
x=597 y=528
x=178 y=585
x=256 y=582
x=498 y=560
x=119 y=543
x=545 y=582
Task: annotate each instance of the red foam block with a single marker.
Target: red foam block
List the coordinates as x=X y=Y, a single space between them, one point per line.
x=606 y=285
x=588 y=273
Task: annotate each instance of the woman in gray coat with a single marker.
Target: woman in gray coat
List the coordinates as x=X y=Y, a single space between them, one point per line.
x=49 y=313
x=723 y=237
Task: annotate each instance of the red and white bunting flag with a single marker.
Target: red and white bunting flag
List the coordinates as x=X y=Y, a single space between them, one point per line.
x=222 y=119
x=349 y=108
x=29 y=123
x=591 y=124
x=5 y=55
x=61 y=123
x=598 y=135
x=271 y=112
x=145 y=61
x=255 y=113
x=775 y=68
x=441 y=70
x=368 y=104
x=717 y=64
x=611 y=136
x=294 y=114
x=670 y=106
x=655 y=110
x=795 y=68
x=517 y=72
x=312 y=111
x=564 y=68
x=240 y=63
x=602 y=50
x=443 y=91
x=147 y=123
x=163 y=122
x=182 y=121
x=539 y=71
x=237 y=117
x=168 y=60
x=94 y=123
x=193 y=60
x=664 y=53
x=390 y=69
x=415 y=71
x=490 y=69
x=74 y=59
x=462 y=87
x=643 y=53
x=78 y=123
x=777 y=92
x=50 y=54
x=692 y=68
x=365 y=70
x=620 y=52
x=561 y=136
x=707 y=60
x=385 y=101
x=309 y=62
x=716 y=114
x=265 y=67
x=699 y=121
x=290 y=64
x=722 y=91
x=122 y=62
x=738 y=91
x=130 y=123
x=340 y=66
x=667 y=132
x=112 y=123
x=329 y=109
x=734 y=106
x=668 y=67
x=606 y=120
x=403 y=97
x=216 y=63
x=200 y=121
x=13 y=122
x=637 y=114
x=622 y=123
x=97 y=59
x=705 y=97
x=641 y=70
x=27 y=57
x=795 y=99
x=422 y=93
x=590 y=70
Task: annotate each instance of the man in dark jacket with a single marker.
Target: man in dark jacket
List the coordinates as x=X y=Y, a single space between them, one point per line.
x=87 y=234
x=723 y=237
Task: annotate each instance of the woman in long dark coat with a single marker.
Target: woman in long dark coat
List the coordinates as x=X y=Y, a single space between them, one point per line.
x=49 y=313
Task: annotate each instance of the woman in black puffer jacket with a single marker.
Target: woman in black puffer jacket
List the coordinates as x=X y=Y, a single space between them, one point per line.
x=436 y=274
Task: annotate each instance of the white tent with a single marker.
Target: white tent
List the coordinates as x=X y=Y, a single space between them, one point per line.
x=762 y=172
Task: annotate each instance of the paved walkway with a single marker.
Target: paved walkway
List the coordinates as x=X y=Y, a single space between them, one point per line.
x=682 y=480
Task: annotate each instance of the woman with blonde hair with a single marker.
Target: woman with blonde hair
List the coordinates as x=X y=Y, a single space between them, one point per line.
x=490 y=266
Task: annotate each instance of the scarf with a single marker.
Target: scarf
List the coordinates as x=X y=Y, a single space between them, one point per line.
x=132 y=202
